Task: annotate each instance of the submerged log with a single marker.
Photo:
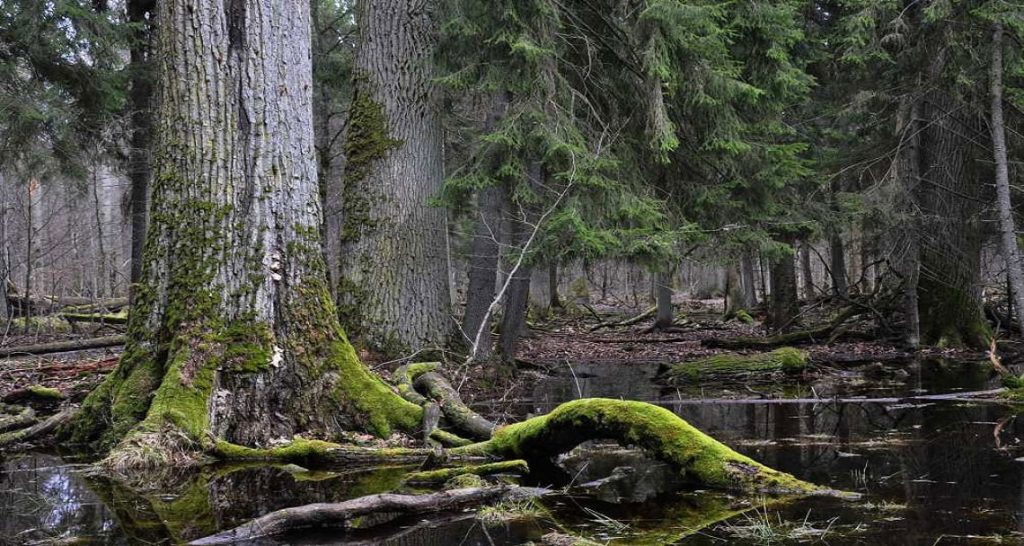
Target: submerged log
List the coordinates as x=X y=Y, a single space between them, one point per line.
x=784 y=359
x=334 y=514
x=441 y=475
x=16 y=417
x=63 y=346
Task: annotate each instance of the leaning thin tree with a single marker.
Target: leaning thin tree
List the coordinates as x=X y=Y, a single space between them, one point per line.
x=234 y=346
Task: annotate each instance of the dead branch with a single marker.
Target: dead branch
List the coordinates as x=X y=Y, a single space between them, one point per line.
x=63 y=346
x=333 y=514
x=628 y=322
x=39 y=429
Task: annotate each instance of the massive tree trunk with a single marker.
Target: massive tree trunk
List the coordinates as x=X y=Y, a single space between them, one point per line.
x=139 y=169
x=1008 y=232
x=393 y=291
x=949 y=288
x=783 y=304
x=233 y=336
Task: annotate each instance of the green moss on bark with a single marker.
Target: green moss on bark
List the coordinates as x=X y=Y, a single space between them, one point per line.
x=702 y=460
x=782 y=359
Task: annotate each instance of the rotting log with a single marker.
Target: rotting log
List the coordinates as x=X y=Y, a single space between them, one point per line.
x=700 y=459
x=811 y=335
x=63 y=346
x=335 y=514
x=436 y=387
x=16 y=417
x=627 y=322
x=100 y=318
x=441 y=475
x=21 y=305
x=783 y=359
x=37 y=393
x=448 y=439
x=39 y=429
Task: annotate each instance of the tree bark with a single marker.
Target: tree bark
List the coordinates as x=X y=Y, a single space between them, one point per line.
x=140 y=168
x=949 y=285
x=554 y=301
x=1008 y=231
x=233 y=337
x=837 y=250
x=784 y=305
x=517 y=297
x=393 y=291
x=485 y=249
x=664 y=317
x=749 y=281
x=805 y=270
x=908 y=170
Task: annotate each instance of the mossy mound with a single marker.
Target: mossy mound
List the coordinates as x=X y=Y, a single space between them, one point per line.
x=782 y=359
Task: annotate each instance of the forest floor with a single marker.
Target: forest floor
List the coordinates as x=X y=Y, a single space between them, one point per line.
x=569 y=337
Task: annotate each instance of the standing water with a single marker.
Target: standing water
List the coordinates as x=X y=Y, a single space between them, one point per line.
x=932 y=472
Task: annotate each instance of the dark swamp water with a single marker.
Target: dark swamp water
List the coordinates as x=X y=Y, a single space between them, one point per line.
x=942 y=472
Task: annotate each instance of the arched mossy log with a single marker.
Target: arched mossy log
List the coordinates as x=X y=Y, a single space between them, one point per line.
x=784 y=359
x=703 y=461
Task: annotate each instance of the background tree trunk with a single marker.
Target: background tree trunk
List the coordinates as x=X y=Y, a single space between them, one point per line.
x=233 y=335
x=140 y=169
x=393 y=289
x=805 y=269
x=664 y=316
x=554 y=301
x=908 y=171
x=749 y=281
x=837 y=250
x=784 y=305
x=1008 y=231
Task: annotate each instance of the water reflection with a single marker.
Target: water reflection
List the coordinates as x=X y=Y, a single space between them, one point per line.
x=941 y=471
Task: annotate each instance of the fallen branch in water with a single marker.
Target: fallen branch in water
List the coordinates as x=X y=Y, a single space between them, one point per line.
x=332 y=514
x=17 y=417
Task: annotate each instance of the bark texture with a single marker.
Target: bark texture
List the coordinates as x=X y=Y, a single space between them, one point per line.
x=233 y=336
x=393 y=290
x=664 y=315
x=783 y=304
x=749 y=281
x=140 y=170
x=949 y=287
x=908 y=172
x=1007 y=229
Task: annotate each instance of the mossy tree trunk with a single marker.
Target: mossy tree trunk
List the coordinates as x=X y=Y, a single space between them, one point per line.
x=393 y=290
x=233 y=335
x=949 y=287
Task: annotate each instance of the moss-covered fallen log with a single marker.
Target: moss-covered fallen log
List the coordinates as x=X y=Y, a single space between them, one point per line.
x=702 y=460
x=784 y=359
x=16 y=417
x=101 y=318
x=37 y=430
x=336 y=514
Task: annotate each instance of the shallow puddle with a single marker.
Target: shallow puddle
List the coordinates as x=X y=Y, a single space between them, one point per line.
x=932 y=473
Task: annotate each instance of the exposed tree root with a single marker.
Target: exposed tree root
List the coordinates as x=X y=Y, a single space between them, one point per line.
x=467 y=421
x=702 y=460
x=333 y=514
x=448 y=439
x=783 y=359
x=63 y=346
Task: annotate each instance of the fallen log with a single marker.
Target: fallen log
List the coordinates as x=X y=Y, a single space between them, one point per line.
x=38 y=393
x=17 y=417
x=334 y=514
x=46 y=304
x=784 y=359
x=63 y=346
x=39 y=429
x=627 y=322
x=812 y=335
x=101 y=318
